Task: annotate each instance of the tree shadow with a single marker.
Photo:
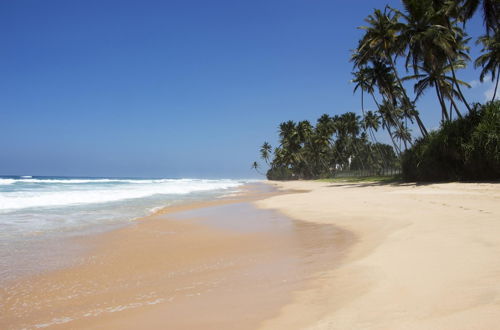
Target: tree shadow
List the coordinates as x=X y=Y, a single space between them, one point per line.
x=399 y=183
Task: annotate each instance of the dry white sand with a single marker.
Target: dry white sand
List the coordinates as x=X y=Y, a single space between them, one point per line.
x=425 y=257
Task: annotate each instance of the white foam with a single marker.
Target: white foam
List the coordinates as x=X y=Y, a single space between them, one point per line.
x=61 y=195
x=78 y=181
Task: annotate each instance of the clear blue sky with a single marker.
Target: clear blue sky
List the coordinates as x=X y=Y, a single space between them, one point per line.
x=172 y=88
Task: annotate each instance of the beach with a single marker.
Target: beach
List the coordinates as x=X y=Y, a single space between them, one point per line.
x=424 y=256
x=285 y=255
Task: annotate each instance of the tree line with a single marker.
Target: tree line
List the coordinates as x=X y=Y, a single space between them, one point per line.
x=334 y=144
x=428 y=39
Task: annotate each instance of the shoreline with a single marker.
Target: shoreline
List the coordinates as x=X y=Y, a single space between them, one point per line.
x=64 y=248
x=225 y=259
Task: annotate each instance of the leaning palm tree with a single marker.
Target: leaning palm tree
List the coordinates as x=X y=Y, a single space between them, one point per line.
x=255 y=166
x=490 y=59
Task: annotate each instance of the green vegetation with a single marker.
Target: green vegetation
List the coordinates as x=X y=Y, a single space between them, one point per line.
x=465 y=149
x=425 y=44
x=335 y=144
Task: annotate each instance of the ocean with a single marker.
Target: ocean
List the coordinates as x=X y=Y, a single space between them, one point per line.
x=38 y=211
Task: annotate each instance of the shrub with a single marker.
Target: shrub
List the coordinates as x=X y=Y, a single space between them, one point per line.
x=280 y=173
x=464 y=149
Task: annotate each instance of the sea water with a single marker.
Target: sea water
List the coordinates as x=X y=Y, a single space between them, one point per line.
x=38 y=213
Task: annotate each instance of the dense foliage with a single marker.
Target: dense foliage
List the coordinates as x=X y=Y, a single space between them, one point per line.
x=465 y=149
x=335 y=144
x=424 y=44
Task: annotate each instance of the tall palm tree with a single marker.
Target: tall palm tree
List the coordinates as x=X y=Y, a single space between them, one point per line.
x=371 y=122
x=389 y=117
x=325 y=128
x=350 y=126
x=265 y=152
x=403 y=134
x=304 y=131
x=432 y=39
x=363 y=79
x=443 y=84
x=490 y=59
x=461 y=56
x=382 y=41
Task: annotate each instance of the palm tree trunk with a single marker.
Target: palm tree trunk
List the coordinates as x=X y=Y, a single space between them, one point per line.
x=356 y=149
x=378 y=149
x=458 y=86
x=334 y=147
x=388 y=129
x=451 y=111
x=444 y=113
x=456 y=108
x=402 y=128
x=421 y=126
x=398 y=151
x=375 y=100
x=362 y=102
x=496 y=87
x=405 y=144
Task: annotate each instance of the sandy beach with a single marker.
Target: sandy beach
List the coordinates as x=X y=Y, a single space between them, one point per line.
x=216 y=264
x=315 y=256
x=424 y=257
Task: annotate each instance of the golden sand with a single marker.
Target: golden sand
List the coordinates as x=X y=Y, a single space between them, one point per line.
x=425 y=257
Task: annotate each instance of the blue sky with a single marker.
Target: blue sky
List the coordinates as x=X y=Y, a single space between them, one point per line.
x=173 y=88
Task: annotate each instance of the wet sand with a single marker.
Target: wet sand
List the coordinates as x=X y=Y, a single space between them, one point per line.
x=212 y=265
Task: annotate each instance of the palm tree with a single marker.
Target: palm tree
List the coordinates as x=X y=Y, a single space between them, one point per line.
x=432 y=39
x=460 y=56
x=323 y=132
x=288 y=140
x=490 y=59
x=349 y=128
x=382 y=42
x=371 y=122
x=443 y=84
x=403 y=134
x=255 y=166
x=265 y=152
x=389 y=117
x=304 y=131
x=465 y=9
x=364 y=81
